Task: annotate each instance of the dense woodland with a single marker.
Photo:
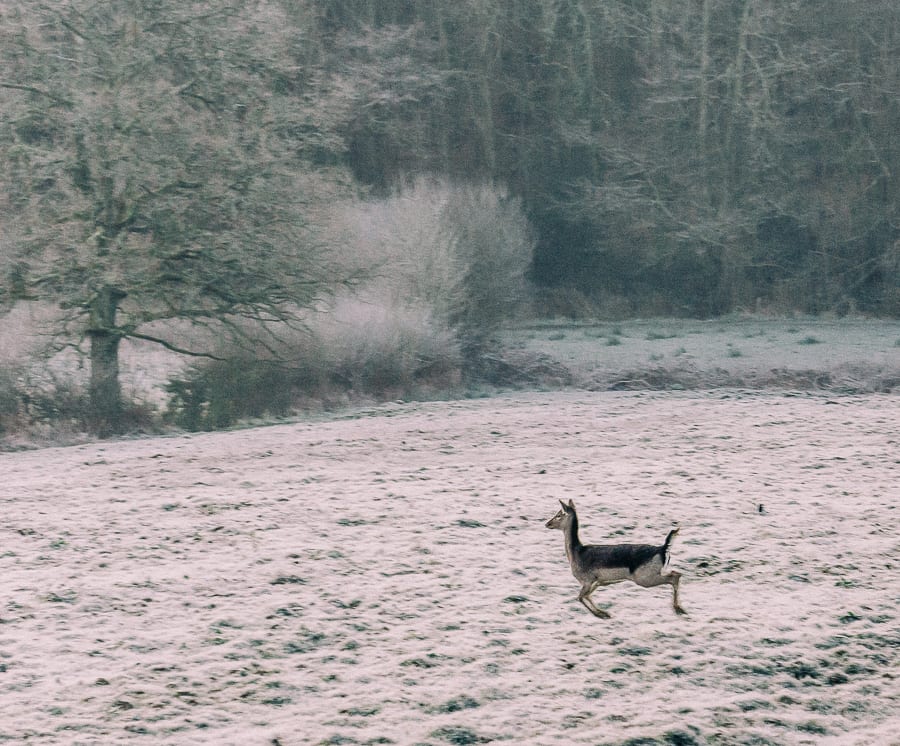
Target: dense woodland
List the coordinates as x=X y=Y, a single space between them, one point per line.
x=695 y=156
x=705 y=153
x=177 y=160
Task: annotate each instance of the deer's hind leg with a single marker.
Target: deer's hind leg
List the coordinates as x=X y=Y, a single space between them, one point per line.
x=674 y=578
x=651 y=575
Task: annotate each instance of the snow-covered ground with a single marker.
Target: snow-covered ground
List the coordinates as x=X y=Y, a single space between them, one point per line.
x=851 y=354
x=387 y=577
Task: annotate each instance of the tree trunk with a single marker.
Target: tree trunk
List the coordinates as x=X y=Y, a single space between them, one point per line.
x=735 y=129
x=105 y=417
x=703 y=113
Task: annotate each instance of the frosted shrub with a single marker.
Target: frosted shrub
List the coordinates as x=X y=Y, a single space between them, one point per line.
x=491 y=240
x=443 y=265
x=376 y=345
x=457 y=253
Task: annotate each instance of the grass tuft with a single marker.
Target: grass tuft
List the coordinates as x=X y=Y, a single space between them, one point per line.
x=652 y=336
x=459 y=736
x=456 y=704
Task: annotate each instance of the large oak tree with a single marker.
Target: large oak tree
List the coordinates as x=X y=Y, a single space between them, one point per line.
x=156 y=167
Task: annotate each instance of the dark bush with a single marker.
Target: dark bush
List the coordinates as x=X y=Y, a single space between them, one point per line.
x=10 y=400
x=220 y=393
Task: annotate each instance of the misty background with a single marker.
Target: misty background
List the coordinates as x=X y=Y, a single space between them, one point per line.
x=305 y=198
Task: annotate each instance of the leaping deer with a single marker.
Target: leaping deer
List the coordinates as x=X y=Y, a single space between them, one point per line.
x=594 y=565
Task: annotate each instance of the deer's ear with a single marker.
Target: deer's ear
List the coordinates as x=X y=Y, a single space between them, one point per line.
x=571 y=504
x=563 y=504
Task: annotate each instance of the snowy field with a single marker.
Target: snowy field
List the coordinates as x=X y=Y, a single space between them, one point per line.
x=846 y=355
x=386 y=578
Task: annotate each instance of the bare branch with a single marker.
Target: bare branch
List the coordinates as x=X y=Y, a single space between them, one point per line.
x=38 y=91
x=171 y=346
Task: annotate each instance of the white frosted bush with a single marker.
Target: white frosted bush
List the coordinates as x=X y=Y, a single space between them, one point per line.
x=375 y=344
x=453 y=255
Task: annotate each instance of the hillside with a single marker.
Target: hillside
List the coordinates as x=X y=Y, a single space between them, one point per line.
x=387 y=577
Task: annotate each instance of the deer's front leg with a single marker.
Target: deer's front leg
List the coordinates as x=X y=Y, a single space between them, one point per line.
x=585 y=598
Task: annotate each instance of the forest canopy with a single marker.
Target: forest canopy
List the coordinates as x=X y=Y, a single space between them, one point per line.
x=692 y=156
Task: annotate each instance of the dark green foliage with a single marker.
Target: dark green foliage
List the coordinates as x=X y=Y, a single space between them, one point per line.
x=464 y=702
x=459 y=736
x=671 y=738
x=220 y=393
x=10 y=399
x=288 y=580
x=801 y=670
x=58 y=404
x=223 y=392
x=680 y=738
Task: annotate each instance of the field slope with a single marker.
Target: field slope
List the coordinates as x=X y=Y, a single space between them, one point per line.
x=386 y=577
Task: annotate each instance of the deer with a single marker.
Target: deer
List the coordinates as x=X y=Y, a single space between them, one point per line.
x=594 y=565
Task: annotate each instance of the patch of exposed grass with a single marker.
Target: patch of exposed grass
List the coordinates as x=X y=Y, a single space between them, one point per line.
x=306 y=642
x=66 y=597
x=352 y=522
x=469 y=523
x=654 y=335
x=277 y=701
x=362 y=712
x=288 y=580
x=801 y=670
x=754 y=704
x=464 y=702
x=337 y=740
x=813 y=727
x=679 y=738
x=459 y=736
x=430 y=661
x=352 y=604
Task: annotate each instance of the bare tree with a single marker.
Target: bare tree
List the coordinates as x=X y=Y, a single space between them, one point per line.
x=154 y=171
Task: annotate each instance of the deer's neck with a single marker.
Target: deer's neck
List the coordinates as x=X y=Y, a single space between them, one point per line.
x=573 y=544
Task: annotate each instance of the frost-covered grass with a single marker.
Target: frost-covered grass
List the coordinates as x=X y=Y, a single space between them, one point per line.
x=375 y=346
x=387 y=578
x=849 y=355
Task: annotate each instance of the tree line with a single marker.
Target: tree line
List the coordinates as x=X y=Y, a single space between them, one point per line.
x=686 y=156
x=171 y=160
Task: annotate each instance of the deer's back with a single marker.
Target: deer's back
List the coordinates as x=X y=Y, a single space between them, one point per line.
x=613 y=561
